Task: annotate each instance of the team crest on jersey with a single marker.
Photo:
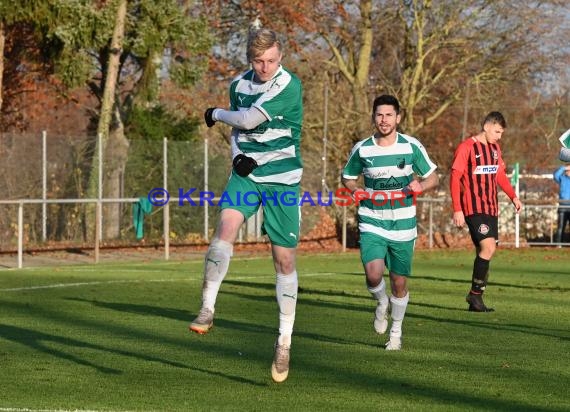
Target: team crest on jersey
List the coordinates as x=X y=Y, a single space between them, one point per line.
x=495 y=154
x=483 y=229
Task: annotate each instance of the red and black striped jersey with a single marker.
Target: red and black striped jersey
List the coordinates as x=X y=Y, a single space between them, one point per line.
x=476 y=171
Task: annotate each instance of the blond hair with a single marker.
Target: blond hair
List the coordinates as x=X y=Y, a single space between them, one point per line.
x=259 y=41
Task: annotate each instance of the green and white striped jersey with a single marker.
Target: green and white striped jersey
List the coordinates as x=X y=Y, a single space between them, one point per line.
x=387 y=170
x=275 y=143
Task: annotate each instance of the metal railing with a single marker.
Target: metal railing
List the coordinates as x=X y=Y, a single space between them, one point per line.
x=255 y=222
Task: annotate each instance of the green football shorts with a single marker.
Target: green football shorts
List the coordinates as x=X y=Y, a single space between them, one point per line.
x=280 y=203
x=397 y=255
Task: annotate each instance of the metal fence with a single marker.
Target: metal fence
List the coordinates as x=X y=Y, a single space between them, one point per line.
x=44 y=202
x=428 y=223
x=60 y=169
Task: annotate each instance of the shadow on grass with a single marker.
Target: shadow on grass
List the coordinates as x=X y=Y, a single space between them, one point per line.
x=238 y=379
x=219 y=322
x=416 y=391
x=37 y=341
x=369 y=308
x=346 y=376
x=304 y=293
x=467 y=282
x=310 y=291
x=471 y=319
x=469 y=316
x=510 y=327
x=302 y=290
x=175 y=314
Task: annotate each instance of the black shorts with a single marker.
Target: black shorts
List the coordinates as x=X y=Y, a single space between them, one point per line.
x=482 y=227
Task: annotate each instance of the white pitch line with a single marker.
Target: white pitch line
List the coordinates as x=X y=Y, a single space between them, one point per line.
x=76 y=284
x=109 y=282
x=48 y=410
x=112 y=266
x=109 y=267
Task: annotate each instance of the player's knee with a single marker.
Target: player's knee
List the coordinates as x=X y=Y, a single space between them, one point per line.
x=374 y=270
x=287 y=266
x=373 y=280
x=488 y=252
x=284 y=262
x=399 y=285
x=487 y=248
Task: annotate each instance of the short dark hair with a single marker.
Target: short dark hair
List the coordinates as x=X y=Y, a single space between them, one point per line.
x=495 y=118
x=386 y=99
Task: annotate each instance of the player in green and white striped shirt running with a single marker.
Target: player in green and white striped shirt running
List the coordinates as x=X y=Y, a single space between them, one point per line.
x=266 y=114
x=388 y=161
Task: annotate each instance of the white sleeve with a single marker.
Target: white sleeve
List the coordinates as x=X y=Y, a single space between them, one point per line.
x=233 y=143
x=243 y=119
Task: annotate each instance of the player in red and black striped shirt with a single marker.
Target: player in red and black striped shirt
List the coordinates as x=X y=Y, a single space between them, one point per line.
x=477 y=169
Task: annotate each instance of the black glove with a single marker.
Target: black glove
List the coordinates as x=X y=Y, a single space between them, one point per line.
x=208 y=117
x=244 y=165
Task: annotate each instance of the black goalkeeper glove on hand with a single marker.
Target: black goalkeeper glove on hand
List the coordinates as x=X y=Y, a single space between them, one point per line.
x=208 y=117
x=244 y=165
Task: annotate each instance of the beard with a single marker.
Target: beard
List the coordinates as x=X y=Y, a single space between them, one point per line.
x=385 y=130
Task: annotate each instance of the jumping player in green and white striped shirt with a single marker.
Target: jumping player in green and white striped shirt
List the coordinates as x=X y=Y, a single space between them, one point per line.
x=275 y=143
x=388 y=162
x=266 y=114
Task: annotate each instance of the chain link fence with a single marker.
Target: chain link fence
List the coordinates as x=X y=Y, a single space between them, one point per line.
x=58 y=169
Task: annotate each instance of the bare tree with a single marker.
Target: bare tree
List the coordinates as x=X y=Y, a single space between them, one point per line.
x=436 y=57
x=2 y=43
x=129 y=64
x=113 y=140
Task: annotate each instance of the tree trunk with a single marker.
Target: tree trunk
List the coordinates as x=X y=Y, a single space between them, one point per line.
x=115 y=145
x=115 y=155
x=2 y=42
x=112 y=72
x=113 y=141
x=360 y=86
x=362 y=106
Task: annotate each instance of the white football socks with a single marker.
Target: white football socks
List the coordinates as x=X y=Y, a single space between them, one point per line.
x=286 y=287
x=216 y=264
x=399 y=306
x=379 y=293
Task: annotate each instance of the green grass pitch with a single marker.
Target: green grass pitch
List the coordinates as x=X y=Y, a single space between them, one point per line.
x=114 y=337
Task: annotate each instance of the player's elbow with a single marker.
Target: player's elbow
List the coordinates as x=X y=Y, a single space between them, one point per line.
x=251 y=118
x=247 y=124
x=345 y=181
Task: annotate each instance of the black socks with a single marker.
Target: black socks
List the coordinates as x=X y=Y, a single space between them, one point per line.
x=480 y=275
